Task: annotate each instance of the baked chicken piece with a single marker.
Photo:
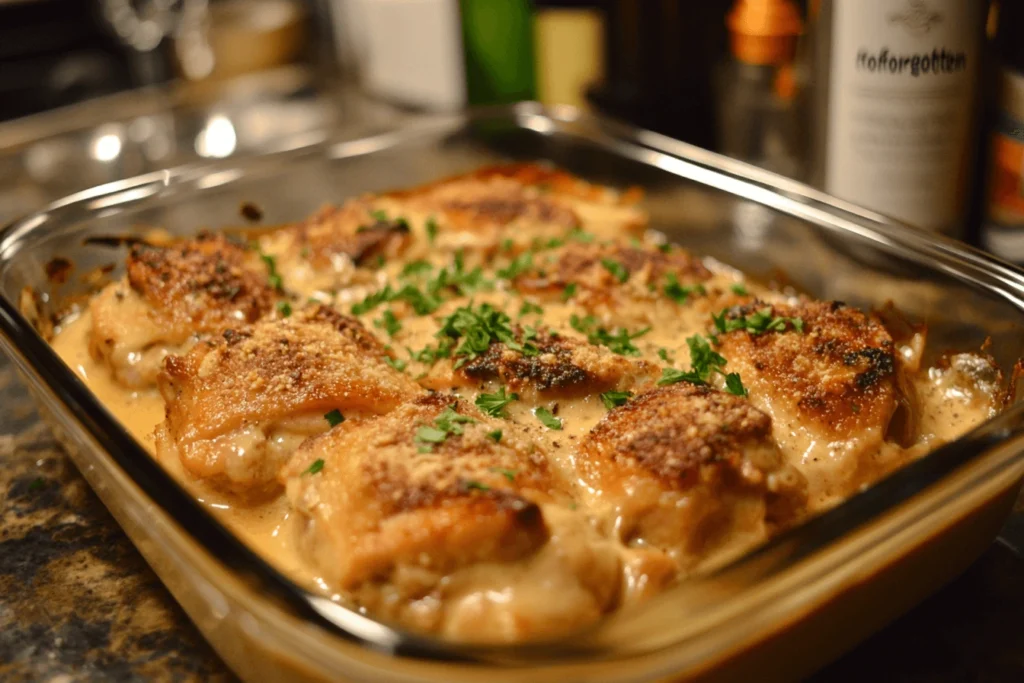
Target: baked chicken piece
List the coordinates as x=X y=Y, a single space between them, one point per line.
x=692 y=471
x=170 y=296
x=826 y=373
x=323 y=252
x=545 y=363
x=628 y=284
x=239 y=405
x=451 y=522
x=522 y=204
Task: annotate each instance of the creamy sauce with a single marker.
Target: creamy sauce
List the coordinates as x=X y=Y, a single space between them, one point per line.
x=265 y=527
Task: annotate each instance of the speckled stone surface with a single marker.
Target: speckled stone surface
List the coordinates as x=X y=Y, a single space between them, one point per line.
x=78 y=603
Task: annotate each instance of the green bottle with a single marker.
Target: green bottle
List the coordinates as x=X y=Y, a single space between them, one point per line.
x=497 y=37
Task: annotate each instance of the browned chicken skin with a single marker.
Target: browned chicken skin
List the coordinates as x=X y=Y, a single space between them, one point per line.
x=414 y=527
x=830 y=390
x=689 y=469
x=239 y=404
x=170 y=295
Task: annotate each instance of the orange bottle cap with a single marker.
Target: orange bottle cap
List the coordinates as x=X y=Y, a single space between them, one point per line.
x=764 y=31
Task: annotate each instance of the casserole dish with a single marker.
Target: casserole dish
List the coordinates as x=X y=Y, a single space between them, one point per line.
x=781 y=610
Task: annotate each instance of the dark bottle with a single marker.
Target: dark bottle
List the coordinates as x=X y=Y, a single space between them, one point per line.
x=1003 y=224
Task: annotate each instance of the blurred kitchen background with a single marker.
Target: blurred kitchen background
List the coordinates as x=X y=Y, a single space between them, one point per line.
x=914 y=108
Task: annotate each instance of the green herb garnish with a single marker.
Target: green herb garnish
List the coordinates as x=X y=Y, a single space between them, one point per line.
x=476 y=485
x=569 y=291
x=273 y=277
x=756 y=323
x=577 y=234
x=520 y=264
x=614 y=399
x=617 y=270
x=704 y=361
x=529 y=307
x=494 y=404
x=679 y=292
x=739 y=289
x=495 y=435
x=396 y=363
x=317 y=465
x=432 y=229
x=415 y=268
x=284 y=308
x=389 y=323
x=547 y=418
x=448 y=422
x=508 y=474
x=734 y=385
x=334 y=418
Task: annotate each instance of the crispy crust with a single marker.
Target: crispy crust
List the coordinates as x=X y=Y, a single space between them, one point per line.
x=349 y=230
x=316 y=360
x=563 y=366
x=582 y=266
x=200 y=285
x=470 y=499
x=689 y=468
x=840 y=373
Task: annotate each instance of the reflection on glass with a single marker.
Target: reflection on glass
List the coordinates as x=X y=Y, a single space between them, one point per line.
x=218 y=139
x=106 y=147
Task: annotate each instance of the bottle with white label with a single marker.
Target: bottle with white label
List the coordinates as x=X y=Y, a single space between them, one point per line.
x=895 y=102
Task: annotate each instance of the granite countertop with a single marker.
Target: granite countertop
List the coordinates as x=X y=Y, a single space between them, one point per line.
x=78 y=603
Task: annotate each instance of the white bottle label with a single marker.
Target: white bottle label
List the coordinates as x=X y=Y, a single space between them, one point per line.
x=901 y=93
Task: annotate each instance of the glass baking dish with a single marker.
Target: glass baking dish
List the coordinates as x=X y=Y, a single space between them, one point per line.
x=774 y=614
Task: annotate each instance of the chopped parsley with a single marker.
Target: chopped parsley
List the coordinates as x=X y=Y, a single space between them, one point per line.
x=529 y=307
x=476 y=485
x=663 y=354
x=734 y=385
x=396 y=363
x=547 y=418
x=478 y=327
x=373 y=300
x=389 y=323
x=273 y=277
x=704 y=361
x=569 y=291
x=614 y=399
x=620 y=342
x=414 y=268
x=520 y=264
x=429 y=355
x=508 y=474
x=577 y=234
x=740 y=289
x=507 y=244
x=423 y=303
x=334 y=418
x=679 y=292
x=284 y=308
x=431 y=226
x=448 y=422
x=494 y=404
x=317 y=465
x=379 y=215
x=617 y=270
x=495 y=435
x=756 y=323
